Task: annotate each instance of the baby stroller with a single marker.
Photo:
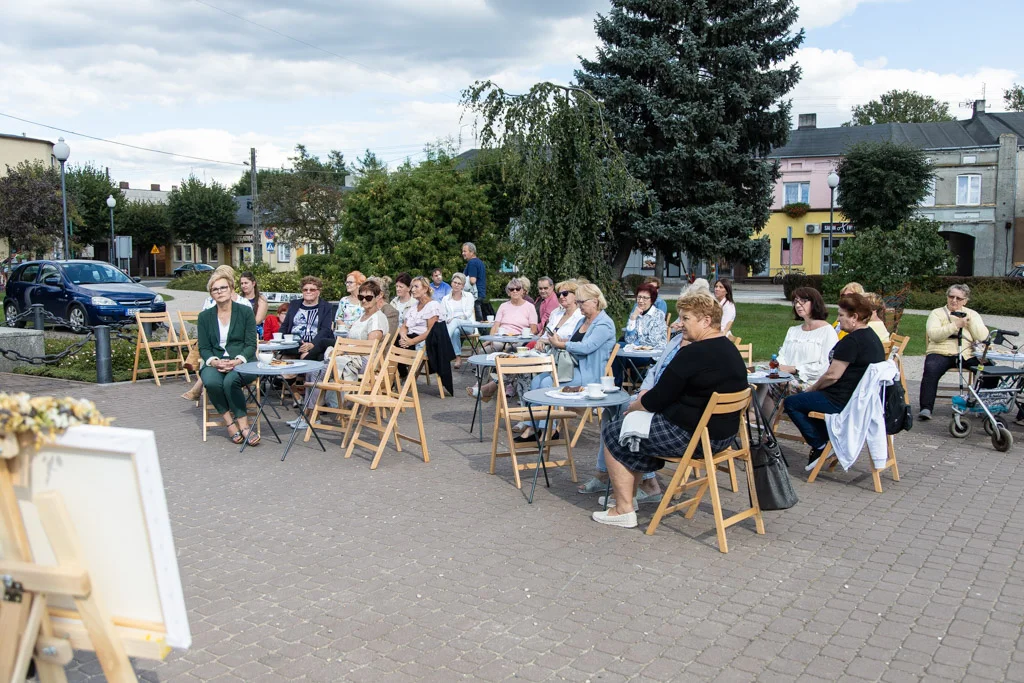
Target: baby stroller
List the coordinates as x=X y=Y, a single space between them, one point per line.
x=996 y=390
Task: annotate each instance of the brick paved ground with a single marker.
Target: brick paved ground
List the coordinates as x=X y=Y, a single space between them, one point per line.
x=319 y=569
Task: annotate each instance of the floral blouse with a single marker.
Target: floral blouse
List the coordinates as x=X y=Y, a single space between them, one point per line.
x=348 y=313
x=648 y=329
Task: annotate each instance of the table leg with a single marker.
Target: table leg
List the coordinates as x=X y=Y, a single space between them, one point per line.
x=478 y=407
x=541 y=443
x=256 y=421
x=302 y=414
x=261 y=407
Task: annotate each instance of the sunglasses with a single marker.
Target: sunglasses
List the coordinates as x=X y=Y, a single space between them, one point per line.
x=514 y=289
x=565 y=293
x=366 y=297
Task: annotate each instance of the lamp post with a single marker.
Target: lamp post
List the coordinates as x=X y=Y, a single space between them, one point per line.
x=61 y=152
x=833 y=183
x=111 y=203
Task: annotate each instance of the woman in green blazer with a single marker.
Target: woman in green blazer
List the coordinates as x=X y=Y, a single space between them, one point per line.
x=227 y=338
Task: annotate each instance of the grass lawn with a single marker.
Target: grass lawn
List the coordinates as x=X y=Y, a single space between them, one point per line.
x=765 y=326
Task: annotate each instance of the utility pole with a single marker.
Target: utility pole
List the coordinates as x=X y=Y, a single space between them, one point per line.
x=257 y=243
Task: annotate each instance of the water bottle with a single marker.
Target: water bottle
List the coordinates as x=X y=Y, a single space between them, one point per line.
x=773 y=366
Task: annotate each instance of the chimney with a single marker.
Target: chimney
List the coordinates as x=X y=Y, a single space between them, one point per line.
x=979 y=107
x=123 y=184
x=174 y=187
x=155 y=187
x=805 y=121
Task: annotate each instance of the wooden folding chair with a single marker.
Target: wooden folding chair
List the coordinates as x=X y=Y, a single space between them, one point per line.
x=334 y=381
x=708 y=462
x=173 y=357
x=588 y=414
x=186 y=318
x=747 y=351
x=505 y=414
x=379 y=398
x=736 y=341
x=668 y=326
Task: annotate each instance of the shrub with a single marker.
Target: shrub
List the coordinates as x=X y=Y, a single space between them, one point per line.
x=796 y=209
x=193 y=283
x=632 y=281
x=795 y=280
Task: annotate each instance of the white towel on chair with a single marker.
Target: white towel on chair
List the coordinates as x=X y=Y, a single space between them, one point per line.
x=863 y=420
x=635 y=427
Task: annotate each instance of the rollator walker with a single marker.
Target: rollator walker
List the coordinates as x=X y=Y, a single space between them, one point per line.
x=989 y=403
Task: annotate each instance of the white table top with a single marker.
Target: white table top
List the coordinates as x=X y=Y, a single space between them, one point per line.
x=506 y=339
x=763 y=378
x=277 y=346
x=540 y=397
x=298 y=367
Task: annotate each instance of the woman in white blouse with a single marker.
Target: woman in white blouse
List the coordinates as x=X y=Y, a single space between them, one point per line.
x=805 y=352
x=457 y=308
x=564 y=319
x=371 y=324
x=723 y=295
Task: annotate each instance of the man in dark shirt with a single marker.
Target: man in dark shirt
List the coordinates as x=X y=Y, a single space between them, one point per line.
x=850 y=359
x=476 y=274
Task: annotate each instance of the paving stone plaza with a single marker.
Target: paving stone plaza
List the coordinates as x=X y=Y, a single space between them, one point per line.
x=319 y=569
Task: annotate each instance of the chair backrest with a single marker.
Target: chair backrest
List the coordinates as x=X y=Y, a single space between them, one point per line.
x=142 y=319
x=668 y=326
x=522 y=366
x=747 y=351
x=191 y=317
x=723 y=404
x=611 y=359
x=736 y=341
x=349 y=347
x=398 y=356
x=897 y=345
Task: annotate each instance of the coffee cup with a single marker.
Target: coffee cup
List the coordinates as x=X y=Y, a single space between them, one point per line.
x=490 y=318
x=522 y=350
x=608 y=383
x=265 y=357
x=278 y=336
x=289 y=337
x=594 y=389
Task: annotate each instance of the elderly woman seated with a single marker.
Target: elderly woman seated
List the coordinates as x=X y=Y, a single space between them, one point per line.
x=646 y=327
x=708 y=363
x=851 y=356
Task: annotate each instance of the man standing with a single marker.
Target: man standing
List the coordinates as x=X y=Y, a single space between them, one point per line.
x=547 y=301
x=476 y=274
x=438 y=286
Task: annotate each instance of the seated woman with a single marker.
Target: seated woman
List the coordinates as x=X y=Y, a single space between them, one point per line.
x=258 y=302
x=851 y=357
x=309 y=319
x=659 y=303
x=723 y=295
x=227 y=339
x=590 y=345
x=877 y=322
x=646 y=327
x=404 y=299
x=389 y=311
x=227 y=272
x=457 y=307
x=349 y=309
x=421 y=317
x=564 y=320
x=516 y=316
x=709 y=363
x=372 y=324
x=951 y=331
x=848 y=288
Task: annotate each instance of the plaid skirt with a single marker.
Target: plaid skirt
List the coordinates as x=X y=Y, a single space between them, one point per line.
x=666 y=440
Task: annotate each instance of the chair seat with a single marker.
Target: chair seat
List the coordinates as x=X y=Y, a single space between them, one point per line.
x=379 y=401
x=541 y=413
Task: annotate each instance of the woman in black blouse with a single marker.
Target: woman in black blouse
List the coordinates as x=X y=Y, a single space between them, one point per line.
x=708 y=362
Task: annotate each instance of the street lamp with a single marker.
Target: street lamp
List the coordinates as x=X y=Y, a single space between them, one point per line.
x=61 y=152
x=111 y=203
x=833 y=183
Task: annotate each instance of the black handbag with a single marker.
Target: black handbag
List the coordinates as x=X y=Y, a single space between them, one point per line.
x=771 y=476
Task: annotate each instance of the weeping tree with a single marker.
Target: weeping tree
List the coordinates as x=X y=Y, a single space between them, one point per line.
x=568 y=178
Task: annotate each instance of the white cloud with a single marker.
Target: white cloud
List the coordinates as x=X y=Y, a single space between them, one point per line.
x=820 y=13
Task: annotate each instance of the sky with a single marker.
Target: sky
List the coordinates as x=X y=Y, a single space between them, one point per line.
x=213 y=78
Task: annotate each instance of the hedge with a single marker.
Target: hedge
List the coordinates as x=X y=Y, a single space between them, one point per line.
x=993 y=295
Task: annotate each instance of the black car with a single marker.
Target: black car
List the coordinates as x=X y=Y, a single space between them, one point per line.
x=83 y=292
x=190 y=268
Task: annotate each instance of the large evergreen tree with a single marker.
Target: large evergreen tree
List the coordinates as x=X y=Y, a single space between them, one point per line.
x=693 y=91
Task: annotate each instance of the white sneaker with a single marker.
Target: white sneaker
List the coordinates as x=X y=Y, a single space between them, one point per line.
x=300 y=423
x=628 y=521
x=611 y=503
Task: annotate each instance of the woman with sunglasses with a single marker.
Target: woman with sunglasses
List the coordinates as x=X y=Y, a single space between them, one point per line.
x=516 y=316
x=372 y=324
x=564 y=319
x=951 y=331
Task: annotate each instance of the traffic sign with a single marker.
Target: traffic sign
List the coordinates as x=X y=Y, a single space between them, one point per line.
x=154 y=250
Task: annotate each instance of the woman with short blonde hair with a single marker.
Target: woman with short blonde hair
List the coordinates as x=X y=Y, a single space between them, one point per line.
x=588 y=291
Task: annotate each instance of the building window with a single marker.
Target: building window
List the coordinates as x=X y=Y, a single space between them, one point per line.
x=968 y=190
x=177 y=253
x=241 y=255
x=212 y=255
x=929 y=198
x=797 y=192
x=792 y=254
x=284 y=253
x=188 y=253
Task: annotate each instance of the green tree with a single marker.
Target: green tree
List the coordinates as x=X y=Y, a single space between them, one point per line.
x=1013 y=97
x=900 y=106
x=202 y=214
x=148 y=223
x=567 y=176
x=264 y=178
x=88 y=188
x=882 y=183
x=693 y=92
x=306 y=205
x=869 y=257
x=415 y=219
x=30 y=207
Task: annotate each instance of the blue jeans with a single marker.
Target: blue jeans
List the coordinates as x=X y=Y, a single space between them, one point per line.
x=797 y=406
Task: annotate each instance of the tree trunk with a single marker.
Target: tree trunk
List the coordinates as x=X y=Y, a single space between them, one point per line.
x=659 y=265
x=623 y=249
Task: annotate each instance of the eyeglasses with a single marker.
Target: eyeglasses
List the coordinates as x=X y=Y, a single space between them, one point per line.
x=218 y=290
x=583 y=301
x=800 y=302
x=350 y=282
x=310 y=289
x=956 y=298
x=565 y=293
x=514 y=289
x=643 y=298
x=366 y=297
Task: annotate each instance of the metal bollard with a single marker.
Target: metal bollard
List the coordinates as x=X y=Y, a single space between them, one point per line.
x=148 y=329
x=37 y=316
x=104 y=365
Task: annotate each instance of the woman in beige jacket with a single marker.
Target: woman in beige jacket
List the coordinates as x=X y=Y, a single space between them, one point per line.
x=951 y=331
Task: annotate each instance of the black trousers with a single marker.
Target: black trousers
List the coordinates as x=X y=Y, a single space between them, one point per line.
x=935 y=366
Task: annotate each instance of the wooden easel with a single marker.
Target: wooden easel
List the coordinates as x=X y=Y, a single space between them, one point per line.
x=27 y=629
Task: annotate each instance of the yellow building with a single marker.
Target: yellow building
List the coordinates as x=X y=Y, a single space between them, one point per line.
x=14 y=149
x=809 y=251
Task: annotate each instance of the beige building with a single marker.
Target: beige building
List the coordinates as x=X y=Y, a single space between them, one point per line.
x=15 y=149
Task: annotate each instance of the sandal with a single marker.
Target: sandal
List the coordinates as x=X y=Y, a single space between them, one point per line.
x=237 y=438
x=593 y=485
x=254 y=439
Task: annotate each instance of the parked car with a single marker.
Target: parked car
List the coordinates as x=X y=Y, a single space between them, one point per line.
x=1016 y=271
x=83 y=292
x=190 y=268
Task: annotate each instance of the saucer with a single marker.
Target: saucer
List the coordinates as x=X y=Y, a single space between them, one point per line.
x=595 y=398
